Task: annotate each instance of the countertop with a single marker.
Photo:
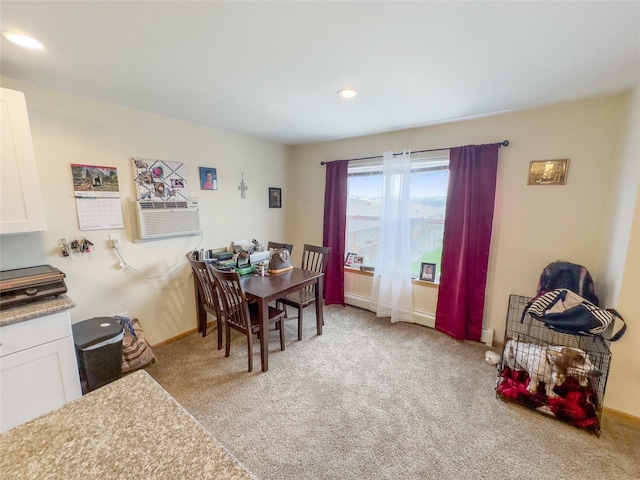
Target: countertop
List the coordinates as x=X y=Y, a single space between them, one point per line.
x=40 y=308
x=131 y=428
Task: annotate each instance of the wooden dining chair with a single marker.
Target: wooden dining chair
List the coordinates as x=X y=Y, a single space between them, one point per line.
x=274 y=245
x=314 y=258
x=207 y=295
x=242 y=315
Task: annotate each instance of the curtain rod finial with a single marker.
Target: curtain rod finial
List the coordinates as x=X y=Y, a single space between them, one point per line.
x=505 y=143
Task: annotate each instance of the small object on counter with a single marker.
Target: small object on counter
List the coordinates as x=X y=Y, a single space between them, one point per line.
x=220 y=256
x=280 y=261
x=246 y=270
x=16 y=286
x=262 y=268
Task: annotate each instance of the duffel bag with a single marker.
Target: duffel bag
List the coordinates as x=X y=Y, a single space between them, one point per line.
x=567 y=312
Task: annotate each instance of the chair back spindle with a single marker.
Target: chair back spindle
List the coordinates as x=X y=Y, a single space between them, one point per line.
x=315 y=258
x=238 y=314
x=234 y=299
x=207 y=293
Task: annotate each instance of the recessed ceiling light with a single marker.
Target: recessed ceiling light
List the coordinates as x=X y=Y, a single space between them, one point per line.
x=24 y=40
x=348 y=93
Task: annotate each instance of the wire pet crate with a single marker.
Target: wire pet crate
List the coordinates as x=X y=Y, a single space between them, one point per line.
x=578 y=399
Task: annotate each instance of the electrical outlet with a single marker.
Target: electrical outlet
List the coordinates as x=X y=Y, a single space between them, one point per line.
x=114 y=238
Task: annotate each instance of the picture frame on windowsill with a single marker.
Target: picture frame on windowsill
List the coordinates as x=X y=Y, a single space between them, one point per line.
x=348 y=260
x=428 y=272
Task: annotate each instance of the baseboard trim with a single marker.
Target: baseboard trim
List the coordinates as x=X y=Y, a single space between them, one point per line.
x=421 y=318
x=176 y=338
x=623 y=415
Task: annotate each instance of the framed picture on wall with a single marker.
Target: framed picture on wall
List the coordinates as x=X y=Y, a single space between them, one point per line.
x=208 y=178
x=548 y=172
x=275 y=197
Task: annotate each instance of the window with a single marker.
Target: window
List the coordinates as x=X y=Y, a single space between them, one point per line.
x=429 y=182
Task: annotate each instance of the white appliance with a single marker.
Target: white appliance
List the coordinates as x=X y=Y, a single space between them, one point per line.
x=257 y=257
x=157 y=220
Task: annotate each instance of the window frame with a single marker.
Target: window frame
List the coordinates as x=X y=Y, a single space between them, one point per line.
x=369 y=167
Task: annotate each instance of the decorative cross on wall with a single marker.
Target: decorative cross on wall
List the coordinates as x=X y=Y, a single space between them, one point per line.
x=243 y=188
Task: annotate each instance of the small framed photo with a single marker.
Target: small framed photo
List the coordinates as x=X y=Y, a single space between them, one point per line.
x=275 y=197
x=548 y=172
x=428 y=272
x=348 y=261
x=358 y=261
x=208 y=178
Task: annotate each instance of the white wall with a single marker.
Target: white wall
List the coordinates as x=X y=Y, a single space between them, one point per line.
x=623 y=391
x=622 y=201
x=68 y=129
x=533 y=225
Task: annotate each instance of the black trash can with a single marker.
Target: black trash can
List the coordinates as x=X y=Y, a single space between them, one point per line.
x=98 y=344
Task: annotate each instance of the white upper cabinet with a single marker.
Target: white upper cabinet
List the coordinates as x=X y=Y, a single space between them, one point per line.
x=21 y=209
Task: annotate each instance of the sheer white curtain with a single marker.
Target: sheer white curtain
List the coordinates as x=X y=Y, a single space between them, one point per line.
x=391 y=292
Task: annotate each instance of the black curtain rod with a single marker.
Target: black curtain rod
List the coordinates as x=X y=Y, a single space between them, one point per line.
x=504 y=143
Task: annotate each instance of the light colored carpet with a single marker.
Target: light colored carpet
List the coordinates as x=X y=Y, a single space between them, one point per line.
x=373 y=400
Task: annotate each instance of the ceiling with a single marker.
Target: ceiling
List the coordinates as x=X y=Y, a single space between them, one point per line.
x=273 y=69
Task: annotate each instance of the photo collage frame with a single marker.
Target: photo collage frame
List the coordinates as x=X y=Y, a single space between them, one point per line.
x=160 y=181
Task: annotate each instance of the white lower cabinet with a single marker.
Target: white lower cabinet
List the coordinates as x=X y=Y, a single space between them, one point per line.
x=38 y=368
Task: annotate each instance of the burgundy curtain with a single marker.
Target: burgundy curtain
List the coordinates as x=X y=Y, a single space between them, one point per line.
x=467 y=236
x=335 y=222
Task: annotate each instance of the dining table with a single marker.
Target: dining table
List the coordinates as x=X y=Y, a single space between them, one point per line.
x=268 y=288
x=263 y=289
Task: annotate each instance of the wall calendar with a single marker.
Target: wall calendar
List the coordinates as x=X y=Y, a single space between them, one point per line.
x=97 y=197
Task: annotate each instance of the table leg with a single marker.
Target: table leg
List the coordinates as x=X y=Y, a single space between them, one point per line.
x=319 y=309
x=263 y=310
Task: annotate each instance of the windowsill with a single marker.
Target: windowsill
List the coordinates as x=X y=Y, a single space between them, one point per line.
x=414 y=281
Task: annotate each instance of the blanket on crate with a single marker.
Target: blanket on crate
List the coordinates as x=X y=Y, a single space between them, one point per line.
x=575 y=404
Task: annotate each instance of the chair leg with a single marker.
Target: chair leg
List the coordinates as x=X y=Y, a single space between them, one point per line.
x=219 y=334
x=250 y=350
x=300 y=323
x=227 y=348
x=281 y=325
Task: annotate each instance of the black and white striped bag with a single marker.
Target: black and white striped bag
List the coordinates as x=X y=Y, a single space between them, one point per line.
x=567 y=312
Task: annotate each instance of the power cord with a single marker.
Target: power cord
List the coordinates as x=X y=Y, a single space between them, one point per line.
x=125 y=264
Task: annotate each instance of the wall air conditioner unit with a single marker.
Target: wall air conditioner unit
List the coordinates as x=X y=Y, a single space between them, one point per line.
x=156 y=220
